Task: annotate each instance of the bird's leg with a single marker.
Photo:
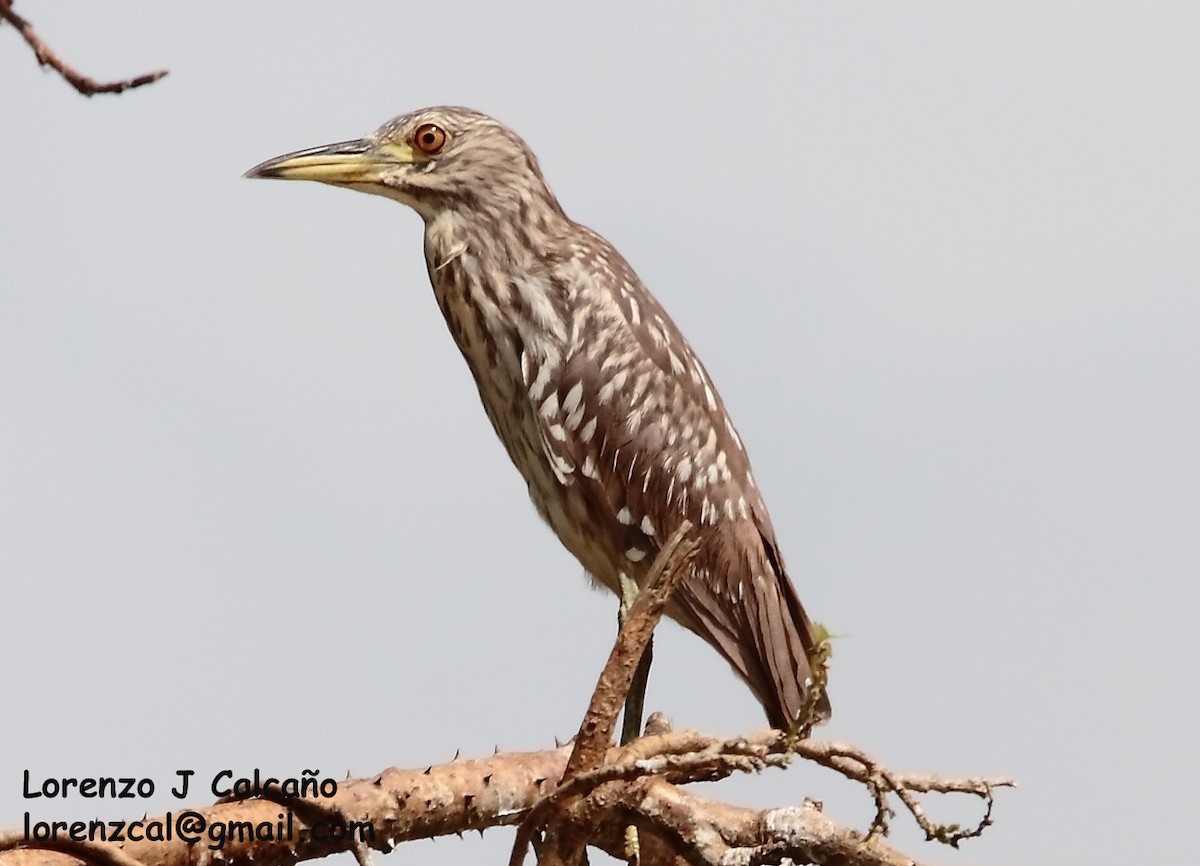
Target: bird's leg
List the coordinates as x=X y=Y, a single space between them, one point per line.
x=635 y=700
x=631 y=721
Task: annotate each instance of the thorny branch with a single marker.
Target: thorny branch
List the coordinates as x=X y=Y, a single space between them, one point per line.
x=638 y=784
x=587 y=792
x=47 y=57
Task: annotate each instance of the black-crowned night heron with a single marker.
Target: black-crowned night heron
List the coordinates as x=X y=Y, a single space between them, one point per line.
x=596 y=395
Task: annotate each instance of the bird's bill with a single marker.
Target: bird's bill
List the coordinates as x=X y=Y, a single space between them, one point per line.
x=346 y=162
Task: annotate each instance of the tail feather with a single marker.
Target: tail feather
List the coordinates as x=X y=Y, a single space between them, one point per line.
x=762 y=631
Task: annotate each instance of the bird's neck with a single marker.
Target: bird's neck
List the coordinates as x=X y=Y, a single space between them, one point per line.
x=521 y=241
x=500 y=287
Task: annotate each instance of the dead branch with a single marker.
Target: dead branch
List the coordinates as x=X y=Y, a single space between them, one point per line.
x=584 y=793
x=47 y=57
x=636 y=785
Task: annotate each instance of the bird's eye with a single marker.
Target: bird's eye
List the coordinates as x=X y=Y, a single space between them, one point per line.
x=429 y=138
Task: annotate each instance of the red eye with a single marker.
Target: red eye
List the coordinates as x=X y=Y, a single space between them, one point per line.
x=429 y=138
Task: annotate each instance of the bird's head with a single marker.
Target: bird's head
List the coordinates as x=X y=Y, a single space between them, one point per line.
x=433 y=160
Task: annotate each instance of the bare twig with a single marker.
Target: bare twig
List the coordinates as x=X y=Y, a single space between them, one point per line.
x=47 y=57
x=693 y=757
x=858 y=766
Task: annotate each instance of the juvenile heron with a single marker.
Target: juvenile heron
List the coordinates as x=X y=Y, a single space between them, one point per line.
x=596 y=395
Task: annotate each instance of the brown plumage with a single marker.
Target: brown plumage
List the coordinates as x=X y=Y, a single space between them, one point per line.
x=596 y=395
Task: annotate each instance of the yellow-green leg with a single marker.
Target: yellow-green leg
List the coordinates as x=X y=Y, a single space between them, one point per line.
x=635 y=701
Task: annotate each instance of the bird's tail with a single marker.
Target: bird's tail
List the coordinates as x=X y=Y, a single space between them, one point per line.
x=795 y=659
x=766 y=636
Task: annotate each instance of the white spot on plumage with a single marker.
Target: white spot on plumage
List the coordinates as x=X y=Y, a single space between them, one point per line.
x=538 y=387
x=633 y=421
x=640 y=384
x=549 y=406
x=571 y=401
x=743 y=510
x=684 y=470
x=577 y=328
x=647 y=526
x=625 y=516
x=536 y=296
x=728 y=509
x=635 y=554
x=589 y=467
x=588 y=431
x=562 y=468
x=557 y=432
x=635 y=314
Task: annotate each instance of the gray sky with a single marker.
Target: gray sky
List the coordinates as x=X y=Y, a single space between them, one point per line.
x=941 y=260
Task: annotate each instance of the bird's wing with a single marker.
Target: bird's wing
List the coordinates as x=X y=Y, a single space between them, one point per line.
x=626 y=413
x=628 y=416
